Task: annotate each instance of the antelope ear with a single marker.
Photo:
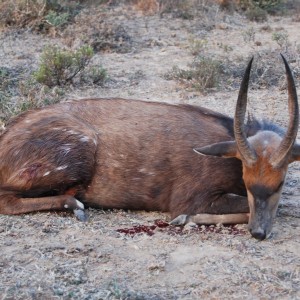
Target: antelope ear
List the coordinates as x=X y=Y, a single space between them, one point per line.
x=223 y=149
x=295 y=153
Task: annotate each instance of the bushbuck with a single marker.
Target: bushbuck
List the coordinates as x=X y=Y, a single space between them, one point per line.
x=127 y=154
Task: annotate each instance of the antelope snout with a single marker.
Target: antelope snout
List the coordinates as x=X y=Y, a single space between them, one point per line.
x=258 y=233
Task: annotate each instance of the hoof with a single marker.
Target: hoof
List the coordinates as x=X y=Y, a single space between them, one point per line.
x=81 y=215
x=180 y=220
x=190 y=226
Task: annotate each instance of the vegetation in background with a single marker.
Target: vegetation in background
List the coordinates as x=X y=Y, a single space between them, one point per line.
x=60 y=67
x=102 y=35
x=281 y=38
x=21 y=90
x=257 y=10
x=197 y=46
x=262 y=4
x=185 y=9
x=256 y=14
x=203 y=74
x=40 y=15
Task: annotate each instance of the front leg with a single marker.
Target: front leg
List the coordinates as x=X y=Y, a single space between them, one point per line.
x=226 y=209
x=208 y=219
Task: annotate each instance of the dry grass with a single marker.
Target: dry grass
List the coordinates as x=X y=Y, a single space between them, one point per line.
x=95 y=30
x=93 y=261
x=43 y=16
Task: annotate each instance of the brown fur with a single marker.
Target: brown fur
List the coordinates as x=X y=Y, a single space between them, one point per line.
x=115 y=153
x=265 y=144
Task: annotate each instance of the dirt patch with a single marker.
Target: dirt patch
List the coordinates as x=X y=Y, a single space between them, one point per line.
x=53 y=256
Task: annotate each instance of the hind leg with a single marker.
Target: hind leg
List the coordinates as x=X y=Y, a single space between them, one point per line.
x=10 y=204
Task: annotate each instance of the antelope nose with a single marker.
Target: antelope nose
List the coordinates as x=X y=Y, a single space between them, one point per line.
x=259 y=234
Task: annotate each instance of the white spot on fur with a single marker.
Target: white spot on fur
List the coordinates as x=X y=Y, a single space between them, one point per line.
x=73 y=132
x=79 y=204
x=84 y=139
x=47 y=173
x=27 y=121
x=66 y=206
x=95 y=142
x=144 y=171
x=61 y=167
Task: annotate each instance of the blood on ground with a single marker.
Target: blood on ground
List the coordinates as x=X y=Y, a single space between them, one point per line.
x=163 y=226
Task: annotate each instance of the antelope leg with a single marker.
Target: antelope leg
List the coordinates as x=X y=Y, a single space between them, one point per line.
x=209 y=219
x=10 y=204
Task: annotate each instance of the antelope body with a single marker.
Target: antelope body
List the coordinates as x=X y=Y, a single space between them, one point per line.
x=116 y=153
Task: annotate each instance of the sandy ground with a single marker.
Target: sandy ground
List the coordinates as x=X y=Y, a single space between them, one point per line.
x=54 y=256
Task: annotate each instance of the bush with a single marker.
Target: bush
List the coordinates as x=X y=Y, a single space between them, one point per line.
x=40 y=15
x=204 y=74
x=59 y=67
x=21 y=90
x=21 y=12
x=262 y=4
x=184 y=9
x=95 y=75
x=256 y=14
x=55 y=19
x=281 y=38
x=257 y=10
x=267 y=4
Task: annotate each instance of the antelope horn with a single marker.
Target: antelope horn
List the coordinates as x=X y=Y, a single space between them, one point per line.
x=248 y=154
x=288 y=141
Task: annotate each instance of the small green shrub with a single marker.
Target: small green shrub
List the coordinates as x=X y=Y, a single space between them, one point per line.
x=262 y=4
x=225 y=47
x=257 y=14
x=57 y=19
x=257 y=10
x=59 y=67
x=204 y=74
x=281 y=38
x=21 y=90
x=198 y=46
x=96 y=75
x=266 y=4
x=249 y=35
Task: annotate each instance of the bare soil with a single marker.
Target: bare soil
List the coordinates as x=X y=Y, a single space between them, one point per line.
x=54 y=256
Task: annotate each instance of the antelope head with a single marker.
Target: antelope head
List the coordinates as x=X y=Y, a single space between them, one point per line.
x=265 y=157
